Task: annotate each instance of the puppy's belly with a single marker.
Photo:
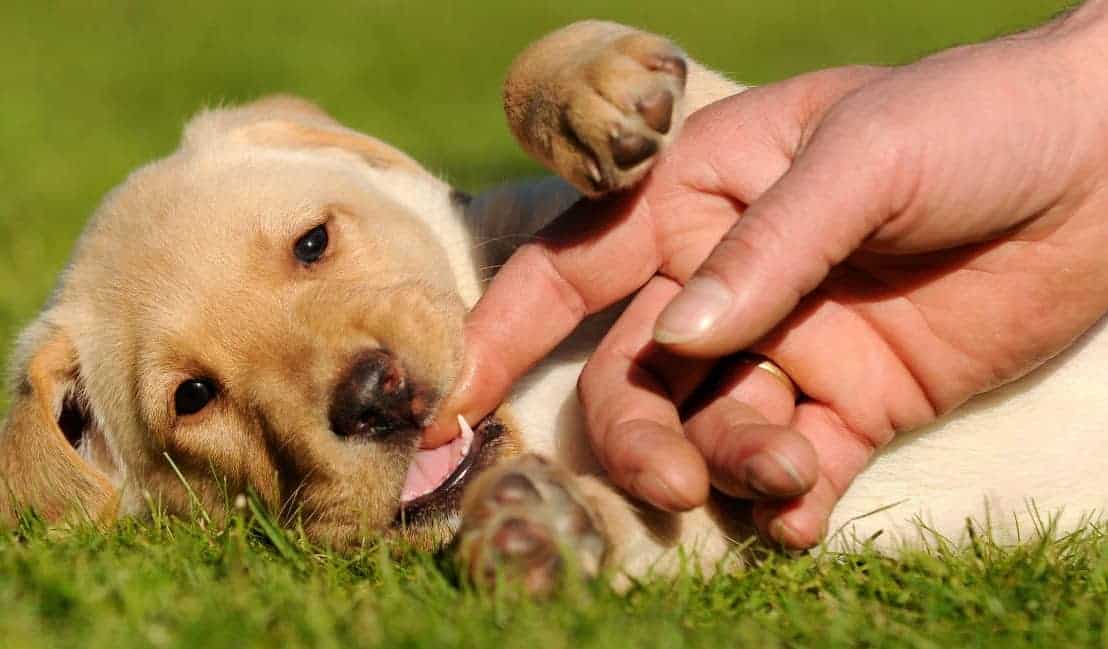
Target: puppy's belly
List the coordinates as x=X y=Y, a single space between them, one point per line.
x=1038 y=444
x=545 y=402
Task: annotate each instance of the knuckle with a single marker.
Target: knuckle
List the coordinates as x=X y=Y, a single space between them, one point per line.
x=547 y=271
x=883 y=133
x=747 y=247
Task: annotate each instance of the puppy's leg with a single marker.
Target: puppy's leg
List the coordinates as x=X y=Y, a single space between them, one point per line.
x=597 y=101
x=524 y=520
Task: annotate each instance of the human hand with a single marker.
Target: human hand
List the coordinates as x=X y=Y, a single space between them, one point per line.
x=911 y=238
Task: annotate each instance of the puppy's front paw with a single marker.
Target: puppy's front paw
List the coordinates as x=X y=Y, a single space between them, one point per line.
x=596 y=102
x=522 y=522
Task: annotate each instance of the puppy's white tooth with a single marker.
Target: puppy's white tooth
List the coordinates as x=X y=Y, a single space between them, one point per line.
x=593 y=171
x=467 y=430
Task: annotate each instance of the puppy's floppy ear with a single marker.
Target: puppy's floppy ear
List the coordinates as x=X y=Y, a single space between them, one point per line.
x=289 y=134
x=40 y=468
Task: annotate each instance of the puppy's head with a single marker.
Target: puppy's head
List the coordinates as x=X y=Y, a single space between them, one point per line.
x=257 y=311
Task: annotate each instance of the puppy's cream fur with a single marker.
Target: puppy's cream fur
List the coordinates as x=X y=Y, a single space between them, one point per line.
x=185 y=270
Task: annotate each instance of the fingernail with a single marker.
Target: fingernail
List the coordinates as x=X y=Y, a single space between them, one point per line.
x=654 y=490
x=773 y=474
x=783 y=533
x=696 y=309
x=790 y=537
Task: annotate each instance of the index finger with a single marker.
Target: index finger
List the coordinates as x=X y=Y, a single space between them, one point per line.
x=594 y=255
x=590 y=258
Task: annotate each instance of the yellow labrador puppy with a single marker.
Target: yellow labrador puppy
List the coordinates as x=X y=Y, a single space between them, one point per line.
x=277 y=306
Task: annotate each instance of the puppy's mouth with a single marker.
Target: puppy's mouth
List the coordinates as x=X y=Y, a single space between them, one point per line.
x=437 y=477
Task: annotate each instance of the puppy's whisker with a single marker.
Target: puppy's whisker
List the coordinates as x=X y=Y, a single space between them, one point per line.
x=488 y=272
x=508 y=237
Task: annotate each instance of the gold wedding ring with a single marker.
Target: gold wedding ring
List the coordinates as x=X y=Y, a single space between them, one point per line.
x=765 y=364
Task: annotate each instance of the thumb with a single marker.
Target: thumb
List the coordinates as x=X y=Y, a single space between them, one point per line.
x=836 y=193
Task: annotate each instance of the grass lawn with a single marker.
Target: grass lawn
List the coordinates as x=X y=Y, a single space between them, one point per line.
x=170 y=584
x=91 y=90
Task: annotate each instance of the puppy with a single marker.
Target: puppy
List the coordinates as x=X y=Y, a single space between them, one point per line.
x=277 y=307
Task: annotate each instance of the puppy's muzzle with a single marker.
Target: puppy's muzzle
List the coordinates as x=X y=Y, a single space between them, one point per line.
x=375 y=399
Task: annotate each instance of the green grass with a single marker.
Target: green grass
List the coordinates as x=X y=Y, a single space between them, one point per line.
x=172 y=584
x=91 y=90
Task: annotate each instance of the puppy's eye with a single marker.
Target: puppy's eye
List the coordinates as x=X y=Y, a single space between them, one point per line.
x=193 y=396
x=310 y=247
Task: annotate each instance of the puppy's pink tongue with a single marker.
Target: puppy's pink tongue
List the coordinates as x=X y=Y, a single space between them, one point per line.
x=431 y=468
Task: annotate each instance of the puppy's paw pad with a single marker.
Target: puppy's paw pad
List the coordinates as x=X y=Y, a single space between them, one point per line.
x=523 y=538
x=657 y=110
x=522 y=523
x=672 y=64
x=627 y=104
x=597 y=102
x=630 y=149
x=514 y=489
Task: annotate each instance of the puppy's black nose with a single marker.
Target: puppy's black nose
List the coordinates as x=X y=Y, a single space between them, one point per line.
x=373 y=398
